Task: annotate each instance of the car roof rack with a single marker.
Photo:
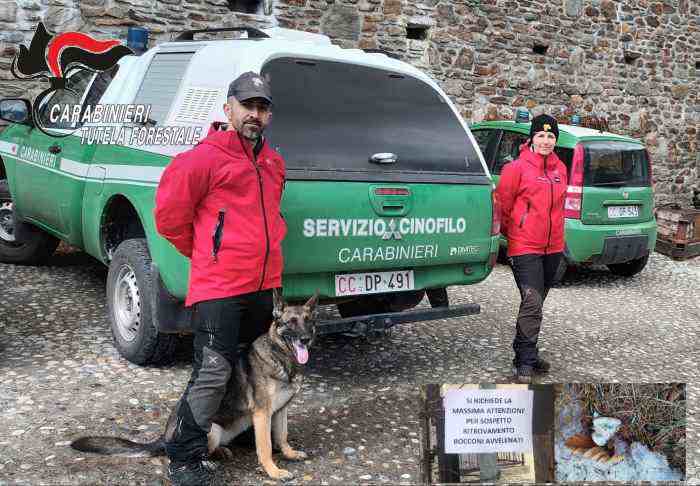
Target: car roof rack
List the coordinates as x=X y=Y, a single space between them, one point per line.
x=382 y=51
x=252 y=32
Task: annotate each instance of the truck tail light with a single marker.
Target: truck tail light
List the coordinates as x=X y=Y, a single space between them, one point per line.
x=574 y=193
x=496 y=216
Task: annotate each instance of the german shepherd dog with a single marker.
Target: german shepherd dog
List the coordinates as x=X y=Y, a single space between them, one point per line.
x=259 y=392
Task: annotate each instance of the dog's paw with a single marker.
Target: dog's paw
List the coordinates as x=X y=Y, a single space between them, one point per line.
x=292 y=455
x=281 y=474
x=222 y=454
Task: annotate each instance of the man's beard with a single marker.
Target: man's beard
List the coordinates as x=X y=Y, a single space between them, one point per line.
x=251 y=132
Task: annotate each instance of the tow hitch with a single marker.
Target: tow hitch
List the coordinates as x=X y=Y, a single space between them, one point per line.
x=360 y=325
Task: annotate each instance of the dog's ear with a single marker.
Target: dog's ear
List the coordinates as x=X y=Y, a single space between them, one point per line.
x=277 y=303
x=310 y=305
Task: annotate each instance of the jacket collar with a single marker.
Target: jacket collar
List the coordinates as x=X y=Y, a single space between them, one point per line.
x=220 y=135
x=538 y=160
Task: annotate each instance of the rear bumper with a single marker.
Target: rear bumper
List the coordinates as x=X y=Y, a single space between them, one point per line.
x=607 y=244
x=380 y=322
x=173 y=317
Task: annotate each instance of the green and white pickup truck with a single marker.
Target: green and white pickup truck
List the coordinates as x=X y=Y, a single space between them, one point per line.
x=387 y=193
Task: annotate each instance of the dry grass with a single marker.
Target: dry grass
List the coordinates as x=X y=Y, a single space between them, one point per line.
x=653 y=414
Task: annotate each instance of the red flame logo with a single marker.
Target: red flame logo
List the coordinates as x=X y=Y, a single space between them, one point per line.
x=74 y=39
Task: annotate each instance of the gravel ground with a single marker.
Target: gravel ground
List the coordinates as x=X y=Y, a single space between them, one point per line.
x=357 y=417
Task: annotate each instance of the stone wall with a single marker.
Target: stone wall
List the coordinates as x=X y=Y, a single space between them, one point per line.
x=636 y=62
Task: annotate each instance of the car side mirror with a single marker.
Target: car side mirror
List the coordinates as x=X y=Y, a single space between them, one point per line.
x=16 y=110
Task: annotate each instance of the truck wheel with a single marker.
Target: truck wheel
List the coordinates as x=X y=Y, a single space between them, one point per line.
x=628 y=269
x=129 y=287
x=36 y=248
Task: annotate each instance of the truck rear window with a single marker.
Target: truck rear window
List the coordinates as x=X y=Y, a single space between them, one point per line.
x=331 y=116
x=609 y=163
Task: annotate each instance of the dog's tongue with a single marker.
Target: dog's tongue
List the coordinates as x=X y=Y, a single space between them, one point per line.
x=300 y=351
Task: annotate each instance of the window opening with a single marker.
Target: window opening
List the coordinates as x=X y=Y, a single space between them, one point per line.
x=98 y=88
x=482 y=139
x=321 y=122
x=245 y=6
x=417 y=32
x=508 y=150
x=540 y=49
x=76 y=84
x=162 y=82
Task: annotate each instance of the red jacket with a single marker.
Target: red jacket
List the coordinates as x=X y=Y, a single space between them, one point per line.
x=220 y=206
x=531 y=195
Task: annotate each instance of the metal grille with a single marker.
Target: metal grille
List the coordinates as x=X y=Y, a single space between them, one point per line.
x=197 y=104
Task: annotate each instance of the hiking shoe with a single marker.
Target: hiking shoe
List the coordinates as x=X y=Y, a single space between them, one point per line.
x=199 y=473
x=524 y=374
x=540 y=367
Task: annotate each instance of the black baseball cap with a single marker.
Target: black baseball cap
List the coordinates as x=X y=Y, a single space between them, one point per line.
x=250 y=85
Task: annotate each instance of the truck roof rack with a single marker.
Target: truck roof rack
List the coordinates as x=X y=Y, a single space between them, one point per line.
x=252 y=32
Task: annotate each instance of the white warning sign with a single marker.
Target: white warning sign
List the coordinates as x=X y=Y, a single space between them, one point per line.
x=478 y=420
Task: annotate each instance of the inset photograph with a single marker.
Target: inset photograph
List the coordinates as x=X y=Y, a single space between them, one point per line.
x=496 y=433
x=620 y=432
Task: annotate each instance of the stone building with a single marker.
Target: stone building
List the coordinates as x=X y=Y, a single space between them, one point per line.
x=636 y=62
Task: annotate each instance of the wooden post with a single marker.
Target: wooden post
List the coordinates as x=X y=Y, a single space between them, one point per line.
x=431 y=407
x=448 y=464
x=543 y=432
x=488 y=467
x=488 y=462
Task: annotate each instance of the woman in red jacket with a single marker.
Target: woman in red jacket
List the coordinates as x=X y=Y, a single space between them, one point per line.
x=531 y=192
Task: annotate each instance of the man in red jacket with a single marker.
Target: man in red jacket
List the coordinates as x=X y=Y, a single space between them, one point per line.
x=219 y=205
x=531 y=192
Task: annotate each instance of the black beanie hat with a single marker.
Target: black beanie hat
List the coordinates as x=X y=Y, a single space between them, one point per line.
x=544 y=123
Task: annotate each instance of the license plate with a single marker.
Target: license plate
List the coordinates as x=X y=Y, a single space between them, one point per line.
x=623 y=211
x=373 y=283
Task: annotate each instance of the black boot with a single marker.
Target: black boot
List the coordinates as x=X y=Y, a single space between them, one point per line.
x=540 y=367
x=524 y=374
x=198 y=473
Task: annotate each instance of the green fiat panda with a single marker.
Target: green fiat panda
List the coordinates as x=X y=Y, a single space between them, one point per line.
x=609 y=205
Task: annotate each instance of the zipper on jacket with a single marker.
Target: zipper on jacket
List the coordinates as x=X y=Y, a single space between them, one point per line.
x=218 y=235
x=253 y=159
x=551 y=206
x=522 y=218
x=267 y=234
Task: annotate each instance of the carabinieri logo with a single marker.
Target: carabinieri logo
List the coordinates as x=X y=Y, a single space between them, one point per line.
x=52 y=57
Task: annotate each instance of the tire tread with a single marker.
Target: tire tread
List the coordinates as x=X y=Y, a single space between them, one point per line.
x=156 y=348
x=629 y=269
x=35 y=251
